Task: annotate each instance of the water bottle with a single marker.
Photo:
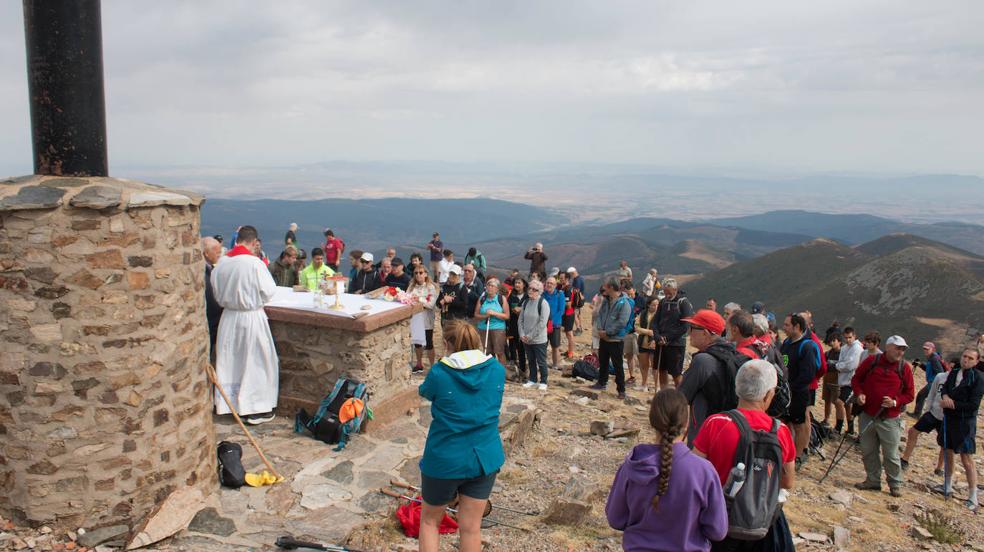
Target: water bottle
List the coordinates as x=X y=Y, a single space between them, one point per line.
x=736 y=480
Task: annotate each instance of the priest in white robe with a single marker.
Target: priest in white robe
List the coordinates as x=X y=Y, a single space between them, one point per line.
x=245 y=357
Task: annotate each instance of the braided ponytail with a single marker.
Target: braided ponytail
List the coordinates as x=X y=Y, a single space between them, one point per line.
x=668 y=416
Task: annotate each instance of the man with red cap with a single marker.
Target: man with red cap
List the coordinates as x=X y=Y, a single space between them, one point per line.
x=709 y=383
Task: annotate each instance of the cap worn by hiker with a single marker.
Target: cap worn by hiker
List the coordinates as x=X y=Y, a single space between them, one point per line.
x=708 y=320
x=571 y=269
x=758 y=307
x=929 y=345
x=897 y=341
x=554 y=271
x=367 y=257
x=455 y=269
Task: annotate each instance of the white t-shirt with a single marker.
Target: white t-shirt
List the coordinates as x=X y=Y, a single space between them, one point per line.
x=443 y=269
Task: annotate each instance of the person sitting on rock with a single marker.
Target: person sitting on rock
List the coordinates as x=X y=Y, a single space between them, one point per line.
x=654 y=515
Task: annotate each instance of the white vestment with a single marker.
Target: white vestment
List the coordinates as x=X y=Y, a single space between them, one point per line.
x=245 y=357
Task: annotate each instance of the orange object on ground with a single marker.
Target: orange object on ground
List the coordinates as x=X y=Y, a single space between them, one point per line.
x=350 y=409
x=409 y=516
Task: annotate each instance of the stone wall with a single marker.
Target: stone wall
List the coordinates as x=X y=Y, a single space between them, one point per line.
x=312 y=358
x=104 y=404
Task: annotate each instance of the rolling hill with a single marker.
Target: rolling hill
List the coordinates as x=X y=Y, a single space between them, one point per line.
x=901 y=284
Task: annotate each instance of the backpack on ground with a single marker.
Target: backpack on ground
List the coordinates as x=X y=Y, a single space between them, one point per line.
x=585 y=369
x=232 y=474
x=340 y=414
x=753 y=504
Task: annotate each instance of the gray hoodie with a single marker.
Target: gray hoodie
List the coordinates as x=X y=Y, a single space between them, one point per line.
x=533 y=320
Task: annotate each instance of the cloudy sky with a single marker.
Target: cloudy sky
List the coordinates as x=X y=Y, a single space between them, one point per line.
x=874 y=86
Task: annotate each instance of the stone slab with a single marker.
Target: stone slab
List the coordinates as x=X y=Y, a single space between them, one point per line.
x=33 y=197
x=97 y=197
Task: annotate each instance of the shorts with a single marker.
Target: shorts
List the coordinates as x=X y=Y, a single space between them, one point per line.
x=799 y=403
x=846 y=392
x=554 y=337
x=958 y=434
x=928 y=423
x=830 y=392
x=568 y=323
x=631 y=345
x=497 y=342
x=429 y=337
x=669 y=359
x=438 y=492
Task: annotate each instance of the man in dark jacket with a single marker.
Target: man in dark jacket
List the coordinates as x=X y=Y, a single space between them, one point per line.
x=284 y=270
x=212 y=251
x=538 y=261
x=883 y=385
x=670 y=332
x=709 y=383
x=961 y=400
x=367 y=279
x=454 y=297
x=802 y=358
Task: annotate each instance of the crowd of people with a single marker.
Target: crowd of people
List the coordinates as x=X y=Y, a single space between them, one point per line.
x=733 y=428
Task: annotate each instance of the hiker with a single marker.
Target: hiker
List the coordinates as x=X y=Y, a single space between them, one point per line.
x=931 y=420
x=671 y=332
x=831 y=390
x=647 y=346
x=475 y=257
x=436 y=248
x=567 y=321
x=612 y=322
x=398 y=277
x=416 y=259
x=652 y=513
x=355 y=259
x=383 y=270
x=708 y=383
x=555 y=298
x=533 y=319
x=961 y=399
x=333 y=248
x=650 y=284
x=454 y=298
x=212 y=252
x=933 y=365
x=711 y=304
x=630 y=348
x=246 y=362
x=718 y=441
x=465 y=389
x=367 y=279
x=283 y=269
x=425 y=293
x=538 y=261
x=291 y=237
x=492 y=313
x=802 y=359
x=472 y=286
x=444 y=266
x=316 y=272
x=883 y=386
x=847 y=363
x=872 y=344
x=624 y=273
x=577 y=281
x=516 y=347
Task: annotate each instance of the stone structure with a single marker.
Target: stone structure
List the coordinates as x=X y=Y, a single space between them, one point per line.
x=316 y=349
x=104 y=404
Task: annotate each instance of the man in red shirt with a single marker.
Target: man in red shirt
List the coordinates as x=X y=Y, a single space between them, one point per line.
x=334 y=247
x=717 y=439
x=883 y=385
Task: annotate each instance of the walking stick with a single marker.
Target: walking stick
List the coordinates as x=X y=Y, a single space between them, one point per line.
x=837 y=460
x=212 y=378
x=946 y=463
x=290 y=543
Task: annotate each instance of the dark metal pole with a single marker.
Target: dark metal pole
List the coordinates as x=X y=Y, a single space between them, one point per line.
x=65 y=83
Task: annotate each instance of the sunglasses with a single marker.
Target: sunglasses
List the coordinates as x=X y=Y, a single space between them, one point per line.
x=419 y=272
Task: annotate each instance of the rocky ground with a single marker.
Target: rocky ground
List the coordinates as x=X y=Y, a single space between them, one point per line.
x=562 y=471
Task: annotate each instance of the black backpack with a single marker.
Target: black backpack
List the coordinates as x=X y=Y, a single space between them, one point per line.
x=779 y=407
x=722 y=395
x=231 y=471
x=324 y=425
x=753 y=509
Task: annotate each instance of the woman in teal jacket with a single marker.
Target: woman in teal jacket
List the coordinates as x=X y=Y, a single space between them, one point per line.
x=463 y=452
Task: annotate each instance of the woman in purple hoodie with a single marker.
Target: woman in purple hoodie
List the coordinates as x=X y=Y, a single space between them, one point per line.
x=664 y=497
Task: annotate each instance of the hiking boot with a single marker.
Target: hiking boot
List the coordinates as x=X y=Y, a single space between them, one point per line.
x=895 y=491
x=529 y=385
x=865 y=486
x=578 y=331
x=938 y=472
x=971 y=505
x=598 y=387
x=417 y=369
x=941 y=490
x=905 y=463
x=630 y=381
x=621 y=396
x=262 y=418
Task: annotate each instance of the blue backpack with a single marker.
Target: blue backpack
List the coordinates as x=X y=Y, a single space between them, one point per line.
x=325 y=425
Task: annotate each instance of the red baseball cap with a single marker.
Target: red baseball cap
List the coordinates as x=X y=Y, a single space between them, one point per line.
x=707 y=319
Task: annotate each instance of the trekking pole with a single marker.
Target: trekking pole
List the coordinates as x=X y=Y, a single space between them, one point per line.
x=946 y=463
x=290 y=543
x=214 y=379
x=402 y=485
x=450 y=510
x=837 y=460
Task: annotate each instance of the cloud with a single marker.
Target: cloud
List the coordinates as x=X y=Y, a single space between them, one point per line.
x=876 y=86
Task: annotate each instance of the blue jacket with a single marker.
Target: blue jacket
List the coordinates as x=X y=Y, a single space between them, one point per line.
x=614 y=316
x=933 y=366
x=465 y=390
x=558 y=304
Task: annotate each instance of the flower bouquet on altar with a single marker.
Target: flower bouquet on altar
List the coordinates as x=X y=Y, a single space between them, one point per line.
x=391 y=293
